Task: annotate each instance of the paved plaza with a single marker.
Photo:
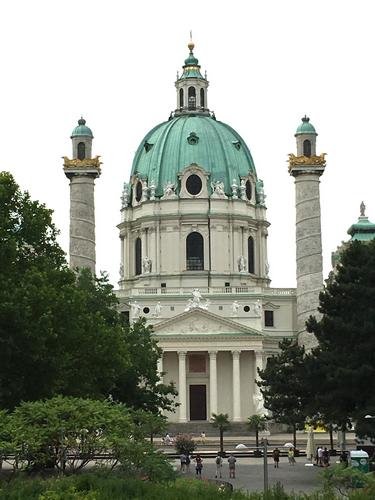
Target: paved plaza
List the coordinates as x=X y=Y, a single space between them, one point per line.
x=249 y=474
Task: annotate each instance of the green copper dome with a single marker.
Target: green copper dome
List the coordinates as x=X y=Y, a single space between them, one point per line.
x=305 y=127
x=363 y=230
x=174 y=145
x=81 y=130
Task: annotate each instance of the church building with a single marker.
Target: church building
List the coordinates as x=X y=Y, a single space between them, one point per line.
x=193 y=232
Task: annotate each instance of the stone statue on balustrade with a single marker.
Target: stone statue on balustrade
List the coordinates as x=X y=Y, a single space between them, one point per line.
x=169 y=191
x=235 y=308
x=258 y=401
x=260 y=196
x=147 y=265
x=218 y=189
x=197 y=301
x=243 y=189
x=157 y=310
x=135 y=309
x=258 y=308
x=122 y=272
x=125 y=195
x=241 y=261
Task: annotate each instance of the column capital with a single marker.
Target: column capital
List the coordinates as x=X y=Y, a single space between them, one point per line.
x=182 y=354
x=236 y=353
x=212 y=354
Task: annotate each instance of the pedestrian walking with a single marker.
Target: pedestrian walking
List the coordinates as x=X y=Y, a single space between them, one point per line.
x=232 y=466
x=183 y=462
x=291 y=458
x=276 y=457
x=203 y=437
x=219 y=465
x=198 y=466
x=325 y=457
x=188 y=460
x=320 y=456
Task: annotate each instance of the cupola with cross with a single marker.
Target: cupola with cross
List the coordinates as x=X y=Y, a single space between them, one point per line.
x=191 y=87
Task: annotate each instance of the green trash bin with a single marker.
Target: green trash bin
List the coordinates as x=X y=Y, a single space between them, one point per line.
x=360 y=460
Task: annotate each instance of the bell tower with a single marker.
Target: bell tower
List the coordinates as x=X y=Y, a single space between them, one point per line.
x=306 y=168
x=82 y=170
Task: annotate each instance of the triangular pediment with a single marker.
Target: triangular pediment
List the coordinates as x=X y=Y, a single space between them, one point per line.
x=201 y=322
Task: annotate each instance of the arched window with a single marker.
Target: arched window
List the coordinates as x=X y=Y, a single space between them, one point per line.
x=138 y=256
x=306 y=147
x=202 y=98
x=250 y=254
x=192 y=98
x=194 y=252
x=81 y=151
x=181 y=98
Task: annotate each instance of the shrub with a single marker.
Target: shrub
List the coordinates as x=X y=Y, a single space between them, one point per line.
x=185 y=444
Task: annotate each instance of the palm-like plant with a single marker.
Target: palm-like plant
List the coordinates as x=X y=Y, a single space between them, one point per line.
x=256 y=423
x=221 y=422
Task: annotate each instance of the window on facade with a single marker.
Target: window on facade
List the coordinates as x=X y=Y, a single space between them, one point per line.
x=81 y=151
x=197 y=363
x=202 y=98
x=138 y=191
x=138 y=256
x=194 y=252
x=306 y=148
x=193 y=184
x=181 y=98
x=192 y=98
x=248 y=189
x=250 y=254
x=268 y=318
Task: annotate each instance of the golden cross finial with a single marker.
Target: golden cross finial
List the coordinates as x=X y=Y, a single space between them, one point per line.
x=191 y=43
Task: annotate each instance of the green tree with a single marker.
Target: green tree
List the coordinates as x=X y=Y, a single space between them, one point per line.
x=60 y=332
x=342 y=366
x=284 y=385
x=139 y=386
x=256 y=423
x=221 y=421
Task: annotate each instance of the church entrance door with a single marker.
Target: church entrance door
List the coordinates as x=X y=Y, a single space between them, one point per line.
x=198 y=402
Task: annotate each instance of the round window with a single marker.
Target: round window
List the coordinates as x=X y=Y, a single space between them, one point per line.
x=248 y=190
x=194 y=184
x=246 y=309
x=146 y=310
x=138 y=191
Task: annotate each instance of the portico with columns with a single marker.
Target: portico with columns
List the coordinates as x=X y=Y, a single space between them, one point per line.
x=213 y=371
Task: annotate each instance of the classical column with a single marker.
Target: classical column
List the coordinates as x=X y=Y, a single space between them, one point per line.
x=182 y=385
x=160 y=367
x=213 y=382
x=236 y=386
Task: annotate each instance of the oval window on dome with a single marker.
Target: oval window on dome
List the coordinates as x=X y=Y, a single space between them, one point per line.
x=194 y=184
x=248 y=190
x=138 y=191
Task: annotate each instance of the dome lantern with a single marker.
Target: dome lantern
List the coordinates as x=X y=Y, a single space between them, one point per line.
x=191 y=87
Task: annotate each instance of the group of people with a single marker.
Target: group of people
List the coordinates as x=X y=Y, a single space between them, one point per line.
x=276 y=457
x=322 y=457
x=185 y=461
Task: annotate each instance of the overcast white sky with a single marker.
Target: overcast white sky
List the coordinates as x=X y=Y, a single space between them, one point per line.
x=268 y=61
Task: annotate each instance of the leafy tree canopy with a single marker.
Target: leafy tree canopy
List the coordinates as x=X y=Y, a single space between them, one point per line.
x=60 y=332
x=343 y=363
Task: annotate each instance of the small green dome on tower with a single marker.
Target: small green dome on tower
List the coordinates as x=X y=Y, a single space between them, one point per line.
x=363 y=230
x=191 y=67
x=305 y=127
x=81 y=130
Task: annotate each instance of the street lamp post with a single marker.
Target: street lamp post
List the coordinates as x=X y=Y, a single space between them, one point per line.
x=265 y=466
